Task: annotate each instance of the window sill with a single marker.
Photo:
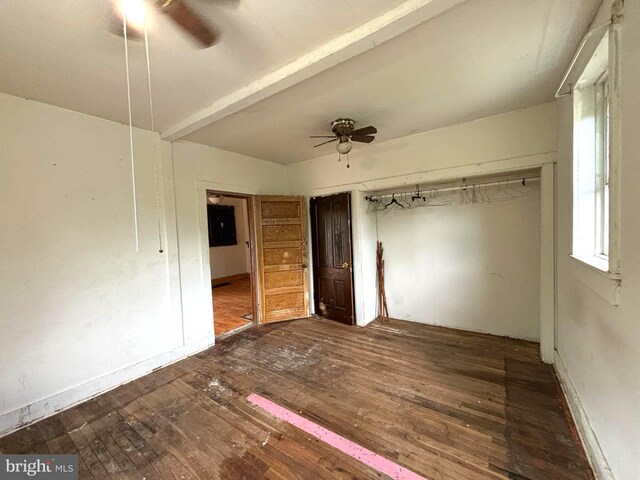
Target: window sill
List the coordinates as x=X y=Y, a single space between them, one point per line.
x=592 y=272
x=599 y=264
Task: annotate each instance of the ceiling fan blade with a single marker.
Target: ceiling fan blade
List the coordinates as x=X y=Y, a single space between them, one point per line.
x=365 y=131
x=189 y=21
x=322 y=136
x=323 y=143
x=362 y=138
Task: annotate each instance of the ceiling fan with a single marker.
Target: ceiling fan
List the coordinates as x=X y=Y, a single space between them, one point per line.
x=178 y=11
x=344 y=133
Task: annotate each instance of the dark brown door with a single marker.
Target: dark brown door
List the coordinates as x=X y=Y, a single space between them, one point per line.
x=332 y=270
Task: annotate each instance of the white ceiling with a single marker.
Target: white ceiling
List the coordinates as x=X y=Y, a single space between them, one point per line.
x=59 y=52
x=480 y=58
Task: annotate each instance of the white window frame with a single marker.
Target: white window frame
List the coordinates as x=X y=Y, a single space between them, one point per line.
x=595 y=240
x=602 y=195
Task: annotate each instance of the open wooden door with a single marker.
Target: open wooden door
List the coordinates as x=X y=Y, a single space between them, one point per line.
x=281 y=228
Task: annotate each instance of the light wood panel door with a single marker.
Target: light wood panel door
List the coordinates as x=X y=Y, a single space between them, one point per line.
x=282 y=257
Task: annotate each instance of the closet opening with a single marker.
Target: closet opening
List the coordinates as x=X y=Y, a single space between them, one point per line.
x=464 y=253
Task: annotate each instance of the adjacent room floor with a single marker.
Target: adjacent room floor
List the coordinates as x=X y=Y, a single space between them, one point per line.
x=445 y=404
x=231 y=306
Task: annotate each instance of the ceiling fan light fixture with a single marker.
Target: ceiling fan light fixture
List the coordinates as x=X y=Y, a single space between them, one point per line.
x=344 y=145
x=215 y=198
x=135 y=11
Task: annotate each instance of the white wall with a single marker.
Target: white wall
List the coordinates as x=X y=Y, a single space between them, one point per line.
x=232 y=260
x=600 y=343
x=482 y=146
x=198 y=168
x=511 y=135
x=473 y=267
x=81 y=310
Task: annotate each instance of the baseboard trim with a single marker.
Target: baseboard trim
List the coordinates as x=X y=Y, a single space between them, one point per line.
x=232 y=278
x=46 y=407
x=456 y=328
x=239 y=329
x=588 y=437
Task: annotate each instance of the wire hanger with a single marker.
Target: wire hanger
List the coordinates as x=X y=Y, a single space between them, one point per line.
x=502 y=193
x=375 y=205
x=417 y=199
x=434 y=199
x=416 y=196
x=393 y=201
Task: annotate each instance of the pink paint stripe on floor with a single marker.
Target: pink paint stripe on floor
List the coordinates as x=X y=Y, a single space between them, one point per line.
x=354 y=450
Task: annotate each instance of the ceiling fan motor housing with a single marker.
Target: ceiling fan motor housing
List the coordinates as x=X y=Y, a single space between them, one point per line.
x=343 y=127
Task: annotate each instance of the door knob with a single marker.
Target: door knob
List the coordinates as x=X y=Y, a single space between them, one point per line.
x=345 y=265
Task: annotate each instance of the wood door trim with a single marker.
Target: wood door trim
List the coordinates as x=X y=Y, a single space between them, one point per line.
x=259 y=259
x=353 y=286
x=251 y=235
x=253 y=245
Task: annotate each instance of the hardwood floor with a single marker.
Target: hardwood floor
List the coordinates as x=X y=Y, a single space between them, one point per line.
x=230 y=303
x=446 y=404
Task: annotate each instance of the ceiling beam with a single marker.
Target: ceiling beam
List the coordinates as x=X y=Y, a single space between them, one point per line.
x=385 y=27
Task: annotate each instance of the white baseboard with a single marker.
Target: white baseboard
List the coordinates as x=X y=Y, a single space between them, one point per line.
x=588 y=437
x=46 y=407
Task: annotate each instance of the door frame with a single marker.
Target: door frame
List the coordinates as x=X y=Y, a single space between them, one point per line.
x=313 y=252
x=203 y=187
x=251 y=236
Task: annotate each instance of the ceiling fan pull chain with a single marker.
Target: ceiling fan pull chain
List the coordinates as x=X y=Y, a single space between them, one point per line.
x=153 y=138
x=133 y=166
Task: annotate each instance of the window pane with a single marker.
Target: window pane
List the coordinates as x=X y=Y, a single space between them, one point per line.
x=601 y=156
x=605 y=226
x=605 y=196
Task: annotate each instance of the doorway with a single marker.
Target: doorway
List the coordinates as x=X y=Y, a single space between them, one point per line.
x=332 y=257
x=231 y=258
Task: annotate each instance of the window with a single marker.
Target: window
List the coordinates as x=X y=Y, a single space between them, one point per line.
x=591 y=162
x=602 y=167
x=222 y=225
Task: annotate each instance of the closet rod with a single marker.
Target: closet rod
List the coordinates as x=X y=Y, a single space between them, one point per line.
x=427 y=189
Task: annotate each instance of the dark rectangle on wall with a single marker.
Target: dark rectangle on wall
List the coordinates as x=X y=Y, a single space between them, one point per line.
x=222 y=225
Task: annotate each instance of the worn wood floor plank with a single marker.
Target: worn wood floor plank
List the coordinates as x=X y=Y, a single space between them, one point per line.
x=447 y=404
x=230 y=303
